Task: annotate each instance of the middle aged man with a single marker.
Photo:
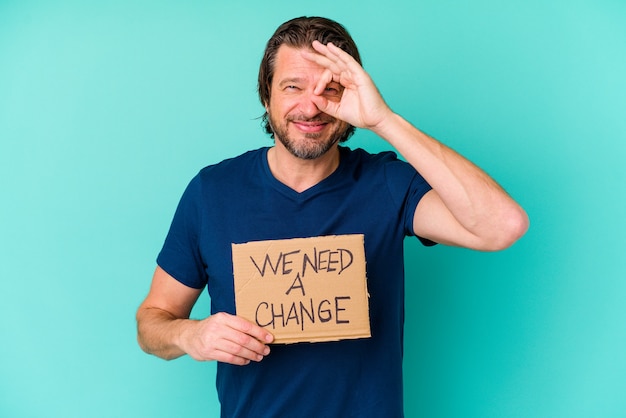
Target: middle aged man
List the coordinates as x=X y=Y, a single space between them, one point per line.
x=315 y=92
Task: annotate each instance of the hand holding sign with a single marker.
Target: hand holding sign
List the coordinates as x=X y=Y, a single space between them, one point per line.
x=226 y=338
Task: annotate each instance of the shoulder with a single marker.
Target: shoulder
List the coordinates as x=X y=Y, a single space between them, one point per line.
x=232 y=170
x=398 y=175
x=235 y=164
x=385 y=163
x=226 y=175
x=361 y=156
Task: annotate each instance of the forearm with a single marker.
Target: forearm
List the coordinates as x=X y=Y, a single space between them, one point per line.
x=475 y=200
x=159 y=332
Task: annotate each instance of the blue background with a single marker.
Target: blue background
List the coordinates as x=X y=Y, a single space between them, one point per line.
x=107 y=109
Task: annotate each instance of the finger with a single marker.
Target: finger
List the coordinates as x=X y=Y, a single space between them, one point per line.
x=336 y=51
x=238 y=341
x=322 y=61
x=231 y=346
x=347 y=61
x=235 y=335
x=331 y=56
x=247 y=327
x=324 y=80
x=325 y=50
x=230 y=358
x=334 y=54
x=233 y=349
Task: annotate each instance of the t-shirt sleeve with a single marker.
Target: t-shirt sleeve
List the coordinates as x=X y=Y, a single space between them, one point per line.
x=407 y=187
x=180 y=256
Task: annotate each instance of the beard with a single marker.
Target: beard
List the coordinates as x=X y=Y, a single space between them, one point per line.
x=312 y=145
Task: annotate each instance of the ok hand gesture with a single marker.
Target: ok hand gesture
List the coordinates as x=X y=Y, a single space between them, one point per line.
x=361 y=104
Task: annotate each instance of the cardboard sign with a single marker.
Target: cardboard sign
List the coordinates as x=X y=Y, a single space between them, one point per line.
x=304 y=289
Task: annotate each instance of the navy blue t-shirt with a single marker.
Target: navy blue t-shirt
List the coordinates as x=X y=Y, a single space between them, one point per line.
x=239 y=200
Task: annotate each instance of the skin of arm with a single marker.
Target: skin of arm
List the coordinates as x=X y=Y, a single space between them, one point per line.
x=165 y=330
x=466 y=207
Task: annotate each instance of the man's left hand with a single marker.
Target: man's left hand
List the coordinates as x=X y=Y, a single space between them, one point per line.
x=361 y=104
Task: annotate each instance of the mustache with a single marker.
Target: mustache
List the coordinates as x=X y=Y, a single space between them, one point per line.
x=322 y=118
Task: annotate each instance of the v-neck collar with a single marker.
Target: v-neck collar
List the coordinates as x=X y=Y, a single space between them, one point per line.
x=311 y=191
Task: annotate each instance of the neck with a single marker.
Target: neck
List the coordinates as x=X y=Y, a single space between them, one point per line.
x=299 y=174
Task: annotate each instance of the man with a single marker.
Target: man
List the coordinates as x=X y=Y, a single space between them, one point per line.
x=315 y=92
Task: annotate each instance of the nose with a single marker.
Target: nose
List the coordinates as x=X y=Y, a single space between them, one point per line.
x=307 y=106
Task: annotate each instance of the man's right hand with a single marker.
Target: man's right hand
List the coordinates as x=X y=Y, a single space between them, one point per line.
x=226 y=338
x=165 y=330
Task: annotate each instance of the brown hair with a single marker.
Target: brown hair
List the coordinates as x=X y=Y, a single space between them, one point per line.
x=300 y=33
